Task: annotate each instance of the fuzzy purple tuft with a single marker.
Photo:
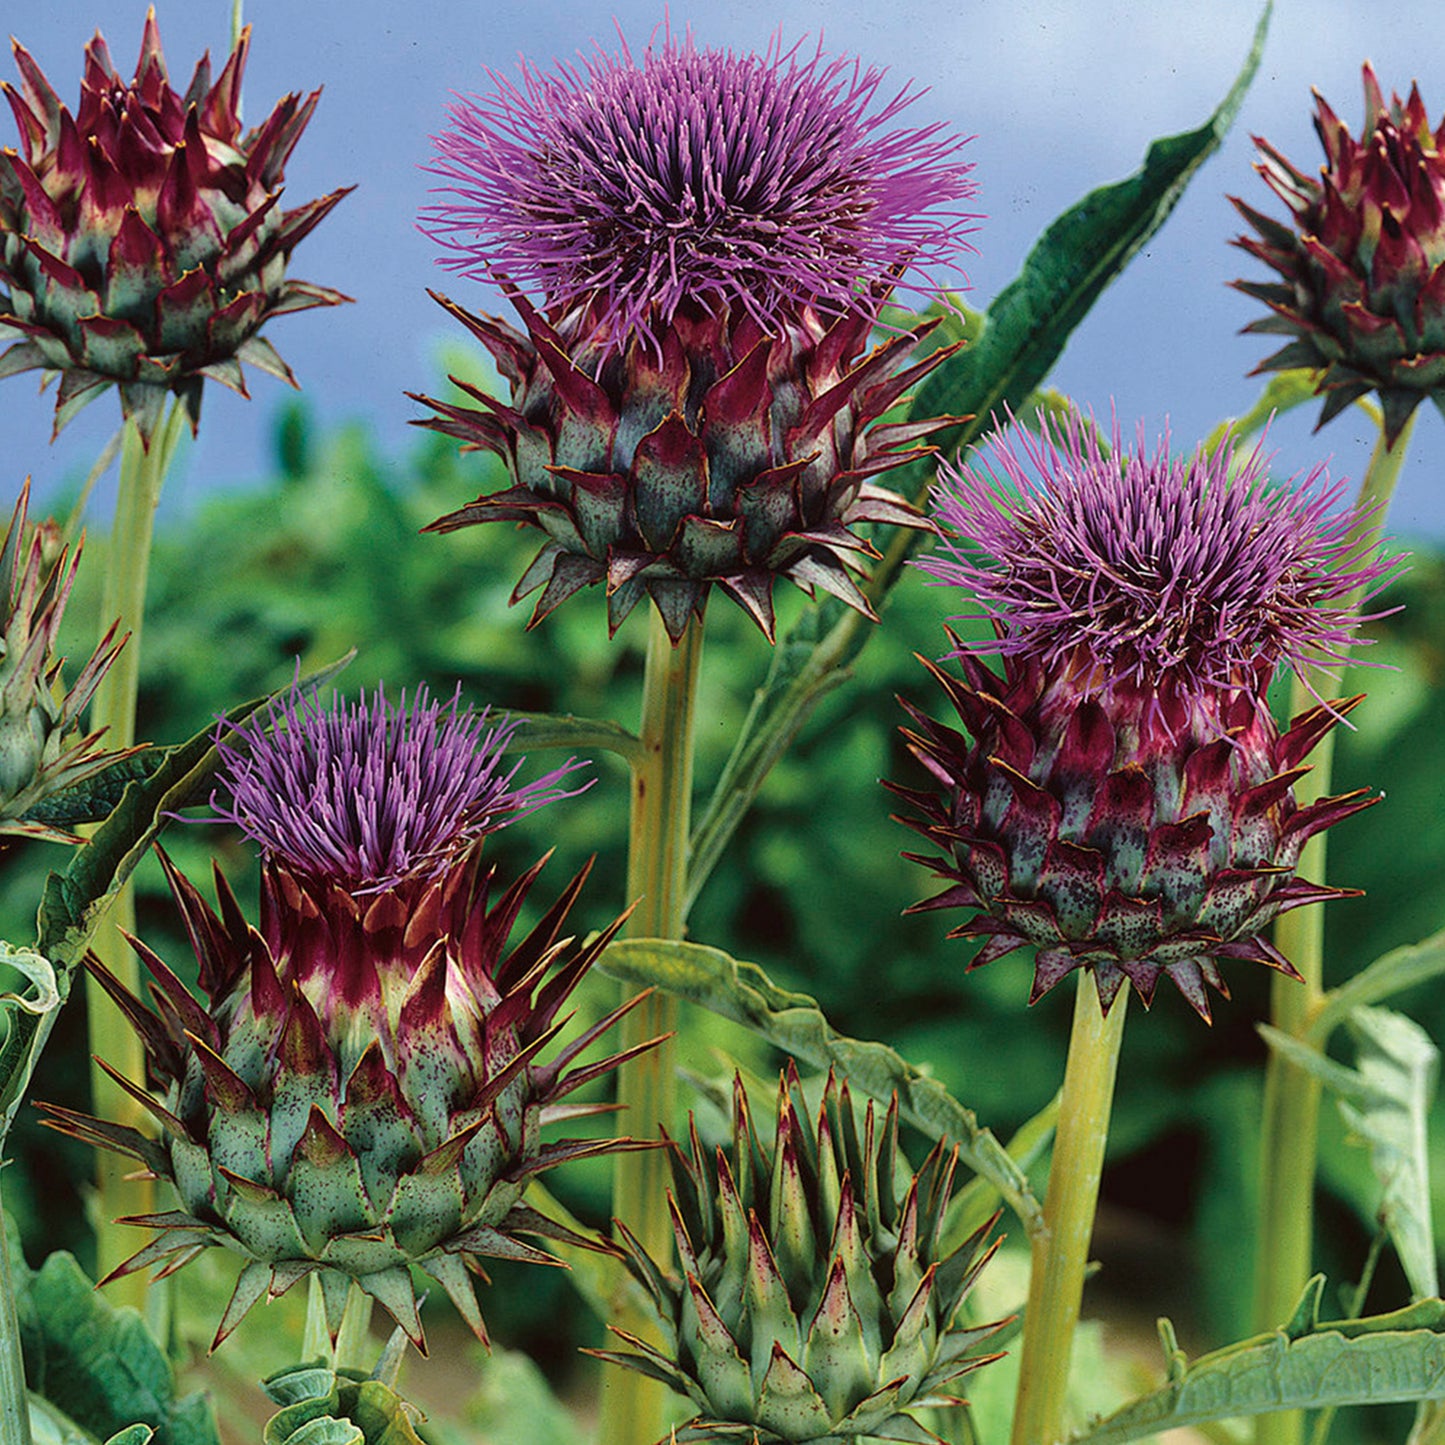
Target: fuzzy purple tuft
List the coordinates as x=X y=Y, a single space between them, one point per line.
x=1152 y=572
x=701 y=175
x=368 y=794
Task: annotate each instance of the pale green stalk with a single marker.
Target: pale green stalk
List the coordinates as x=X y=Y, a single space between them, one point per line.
x=1060 y=1251
x=1289 y=1137
x=632 y=1405
x=238 y=21
x=142 y=474
x=352 y=1350
x=14 y=1403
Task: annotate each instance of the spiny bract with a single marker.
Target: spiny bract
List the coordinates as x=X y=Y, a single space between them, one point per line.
x=42 y=751
x=817 y=1301
x=141 y=240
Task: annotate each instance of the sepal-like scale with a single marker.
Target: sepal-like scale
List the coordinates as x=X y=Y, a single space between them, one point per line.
x=1362 y=294
x=705 y=451
x=814 y=1301
x=142 y=243
x=1136 y=842
x=356 y=1098
x=42 y=749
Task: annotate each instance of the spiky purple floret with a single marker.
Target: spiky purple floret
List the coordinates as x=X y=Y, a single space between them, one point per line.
x=366 y=794
x=723 y=178
x=1151 y=572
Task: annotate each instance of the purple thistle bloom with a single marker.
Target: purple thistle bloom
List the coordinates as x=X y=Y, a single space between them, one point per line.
x=366 y=794
x=1152 y=572
x=698 y=176
x=1124 y=799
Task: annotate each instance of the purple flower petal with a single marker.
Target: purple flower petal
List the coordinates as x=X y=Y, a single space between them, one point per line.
x=759 y=180
x=366 y=794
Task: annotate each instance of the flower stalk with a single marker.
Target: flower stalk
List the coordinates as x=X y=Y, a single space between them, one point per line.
x=647 y=1086
x=1061 y=1248
x=14 y=1403
x=1291 y=1096
x=142 y=475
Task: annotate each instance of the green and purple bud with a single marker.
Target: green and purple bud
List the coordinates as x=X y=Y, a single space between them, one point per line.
x=1123 y=800
x=366 y=1086
x=711 y=237
x=142 y=244
x=816 y=1300
x=1362 y=294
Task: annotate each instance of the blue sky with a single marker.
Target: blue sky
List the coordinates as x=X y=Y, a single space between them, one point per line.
x=1059 y=97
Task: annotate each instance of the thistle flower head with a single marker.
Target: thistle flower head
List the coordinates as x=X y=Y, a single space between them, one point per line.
x=142 y=245
x=1361 y=293
x=818 y=1302
x=1123 y=800
x=367 y=794
x=1171 y=577
x=767 y=182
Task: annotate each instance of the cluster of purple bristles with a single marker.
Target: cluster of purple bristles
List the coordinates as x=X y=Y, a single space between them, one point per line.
x=698 y=176
x=368 y=794
x=1118 y=567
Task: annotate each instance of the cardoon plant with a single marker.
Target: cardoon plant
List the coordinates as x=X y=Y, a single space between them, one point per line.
x=364 y=1089
x=1124 y=802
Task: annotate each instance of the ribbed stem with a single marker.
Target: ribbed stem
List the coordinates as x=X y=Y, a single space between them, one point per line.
x=1061 y=1248
x=1289 y=1137
x=14 y=1405
x=352 y=1349
x=632 y=1405
x=142 y=474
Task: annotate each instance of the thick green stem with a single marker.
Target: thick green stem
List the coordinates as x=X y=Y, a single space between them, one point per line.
x=1061 y=1248
x=1289 y=1136
x=14 y=1404
x=142 y=473
x=632 y=1406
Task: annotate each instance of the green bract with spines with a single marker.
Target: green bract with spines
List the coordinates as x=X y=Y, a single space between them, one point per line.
x=42 y=750
x=815 y=1302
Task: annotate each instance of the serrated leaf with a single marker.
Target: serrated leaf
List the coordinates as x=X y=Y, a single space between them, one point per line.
x=1385 y=1100
x=1391 y=973
x=1373 y=1361
x=94 y=798
x=1070 y=265
x=98 y=1365
x=553 y=730
x=792 y=1021
x=325 y=1407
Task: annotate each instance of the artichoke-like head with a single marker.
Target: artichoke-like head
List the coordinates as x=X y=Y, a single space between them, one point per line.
x=710 y=237
x=42 y=749
x=817 y=1300
x=1362 y=294
x=142 y=243
x=1123 y=799
x=366 y=1085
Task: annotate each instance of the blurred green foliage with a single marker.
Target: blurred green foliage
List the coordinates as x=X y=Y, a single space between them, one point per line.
x=328 y=554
